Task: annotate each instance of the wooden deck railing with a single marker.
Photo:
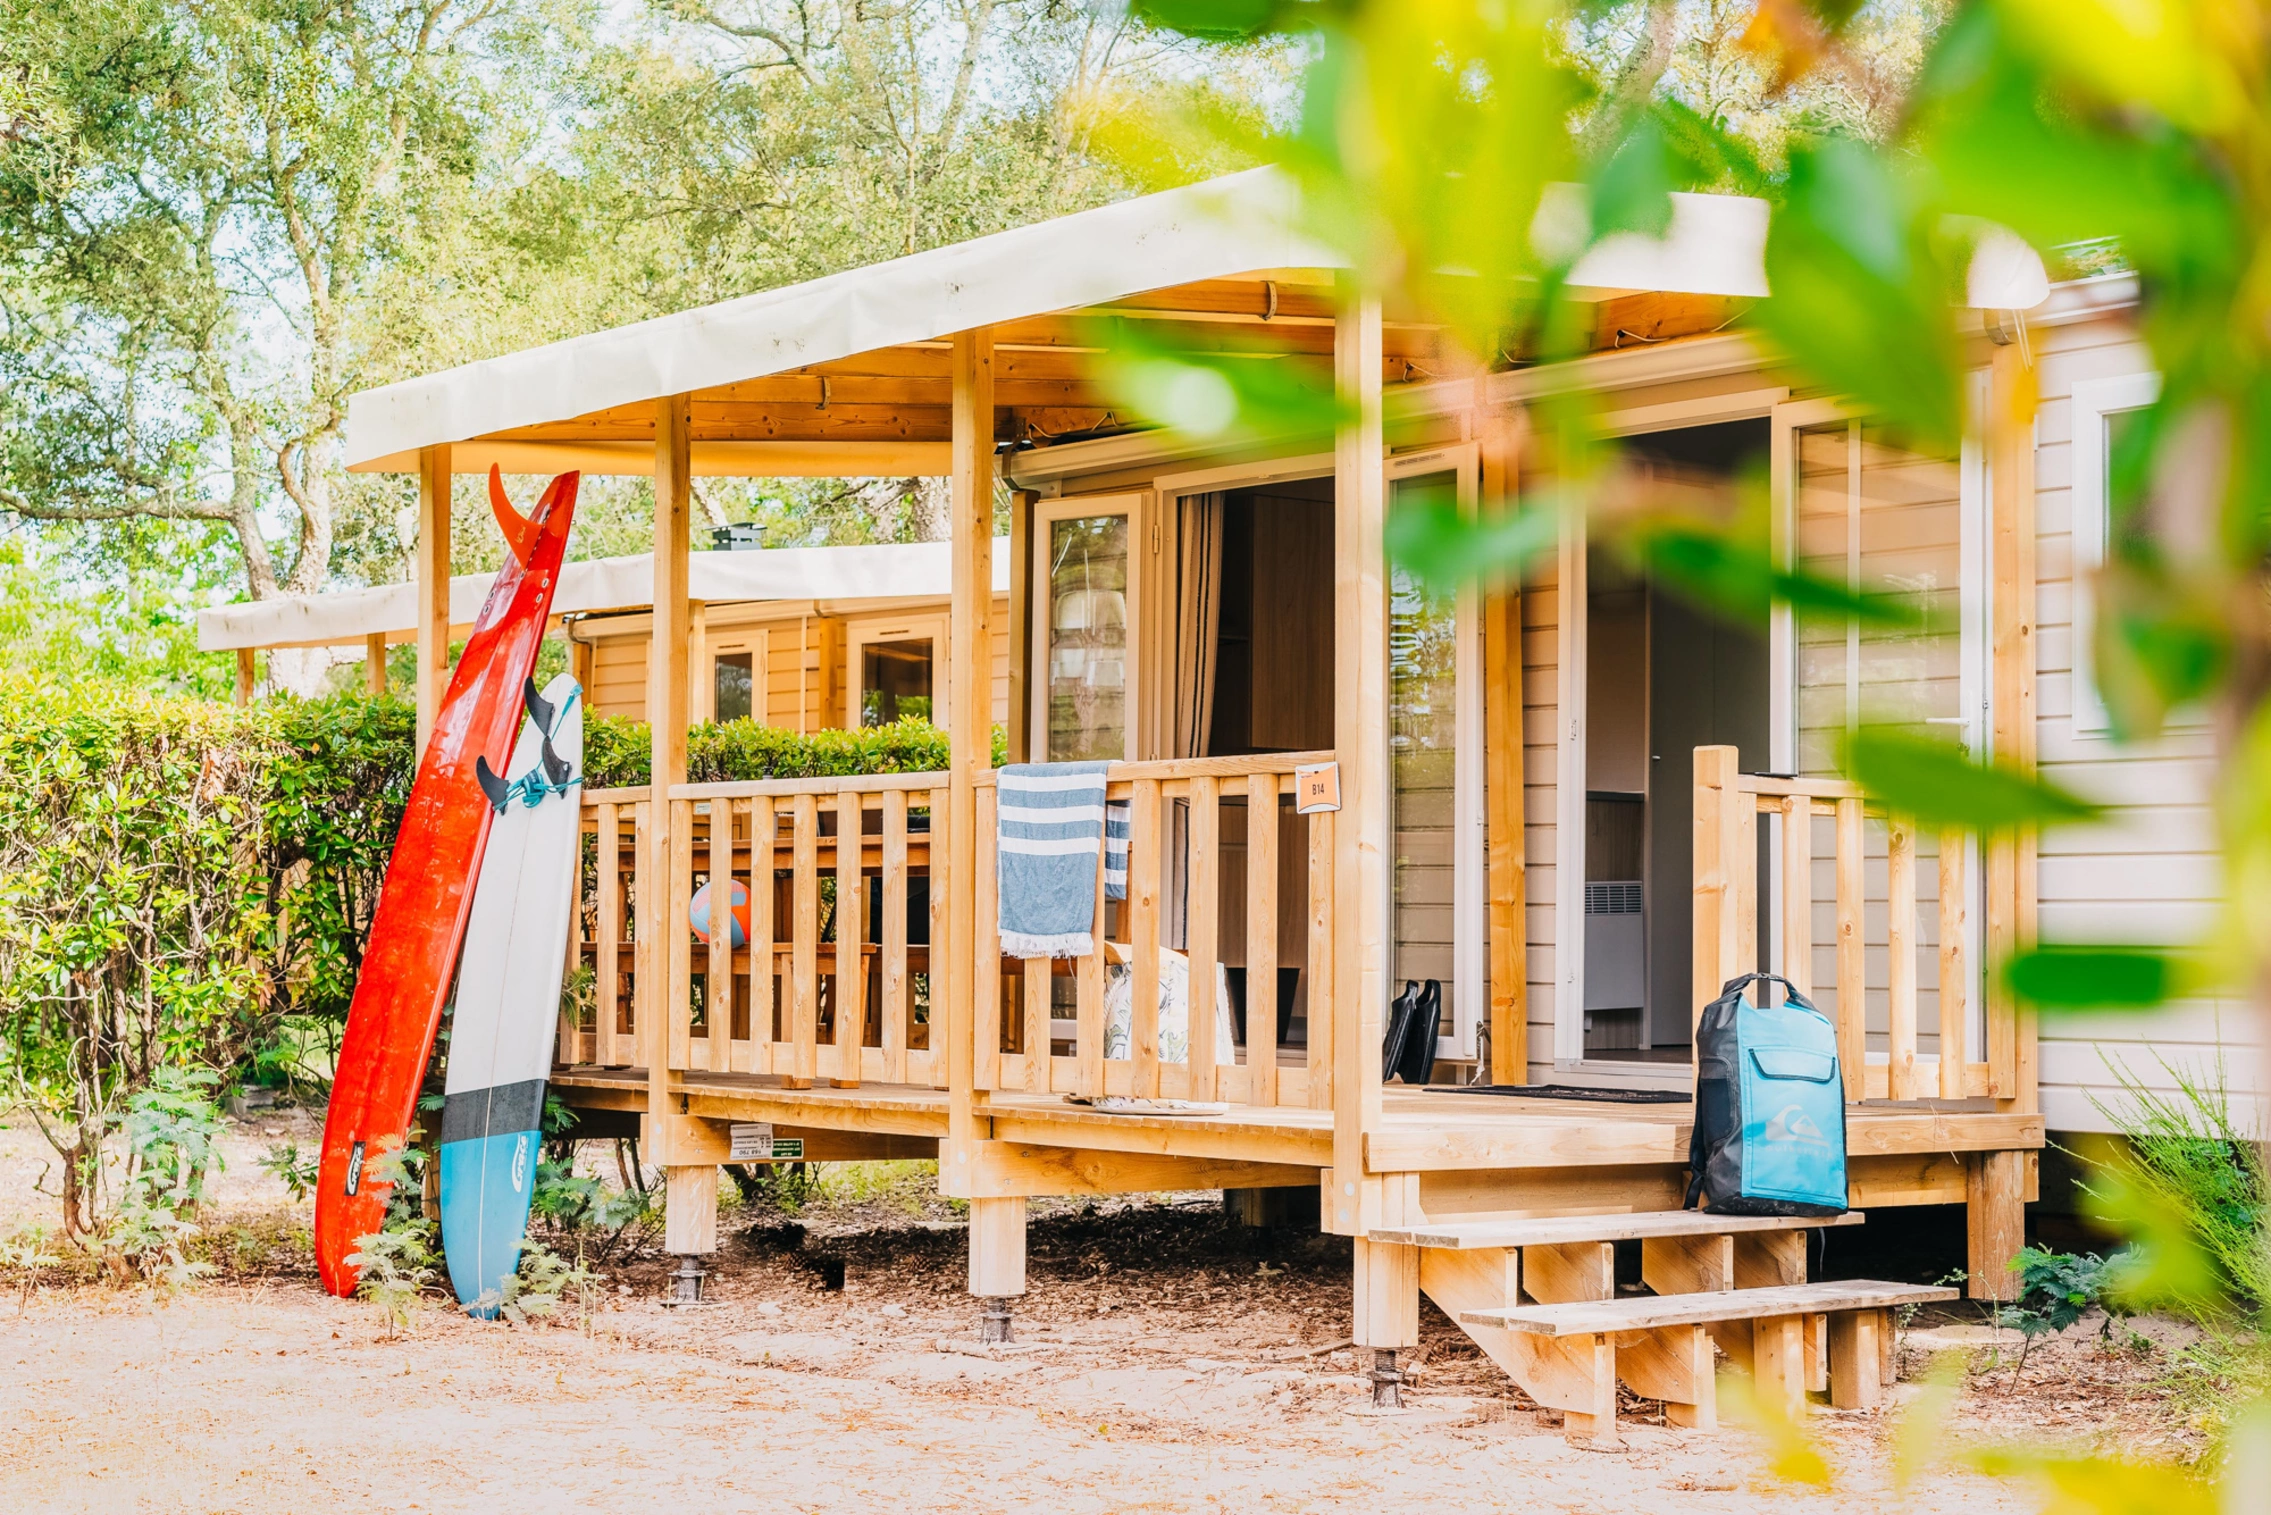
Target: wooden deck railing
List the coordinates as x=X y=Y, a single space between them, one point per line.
x=782 y=1003
x=1728 y=940
x=832 y=982
x=1176 y=869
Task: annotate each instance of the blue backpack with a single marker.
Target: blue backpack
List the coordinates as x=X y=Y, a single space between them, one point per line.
x=1769 y=1133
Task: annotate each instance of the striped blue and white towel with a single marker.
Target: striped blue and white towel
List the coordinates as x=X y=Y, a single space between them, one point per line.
x=1052 y=828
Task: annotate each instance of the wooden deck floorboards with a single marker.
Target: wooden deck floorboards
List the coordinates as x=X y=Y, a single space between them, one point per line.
x=1422 y=1131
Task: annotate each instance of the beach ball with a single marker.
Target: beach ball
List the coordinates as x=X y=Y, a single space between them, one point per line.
x=737 y=911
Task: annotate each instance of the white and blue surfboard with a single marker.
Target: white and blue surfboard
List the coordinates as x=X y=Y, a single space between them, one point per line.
x=508 y=998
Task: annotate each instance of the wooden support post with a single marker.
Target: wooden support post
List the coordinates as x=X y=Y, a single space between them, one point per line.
x=2009 y=447
x=374 y=664
x=248 y=673
x=1995 y=1220
x=1678 y=1365
x=579 y=659
x=1778 y=1363
x=701 y=679
x=1687 y=1265
x=664 y=866
x=1360 y=710
x=969 y=722
x=1856 y=1359
x=430 y=573
x=1387 y=1296
x=1502 y=771
x=997 y=1248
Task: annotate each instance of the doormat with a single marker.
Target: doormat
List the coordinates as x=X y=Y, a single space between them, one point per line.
x=1573 y=1091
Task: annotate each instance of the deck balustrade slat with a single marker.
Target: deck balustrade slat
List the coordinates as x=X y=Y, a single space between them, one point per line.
x=1261 y=939
x=1145 y=841
x=607 y=990
x=1798 y=892
x=986 y=999
x=672 y=954
x=894 y=935
x=804 y=944
x=932 y=1067
x=1852 y=952
x=1900 y=953
x=719 y=977
x=1034 y=982
x=763 y=1029
x=1089 y=979
x=646 y=973
x=1202 y=911
x=1321 y=1009
x=851 y=932
x=1954 y=1043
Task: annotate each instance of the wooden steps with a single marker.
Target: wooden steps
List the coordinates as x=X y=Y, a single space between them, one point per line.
x=1645 y=1312
x=1538 y=1294
x=1557 y=1230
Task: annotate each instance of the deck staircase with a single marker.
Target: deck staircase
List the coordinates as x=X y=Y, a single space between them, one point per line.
x=1539 y=1296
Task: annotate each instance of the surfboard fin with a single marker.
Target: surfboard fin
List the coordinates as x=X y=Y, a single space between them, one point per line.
x=519 y=530
x=540 y=710
x=556 y=768
x=497 y=789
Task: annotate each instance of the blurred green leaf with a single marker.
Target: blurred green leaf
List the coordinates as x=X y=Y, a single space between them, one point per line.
x=1219 y=20
x=1447 y=548
x=1856 y=301
x=1670 y=147
x=2074 y=1484
x=2093 y=978
x=1933 y=782
x=1739 y=579
x=1217 y=396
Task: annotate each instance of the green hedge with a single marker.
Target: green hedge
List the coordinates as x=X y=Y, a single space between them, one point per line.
x=618 y=752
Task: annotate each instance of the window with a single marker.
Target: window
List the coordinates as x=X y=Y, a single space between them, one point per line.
x=1084 y=630
x=2101 y=408
x=732 y=693
x=895 y=681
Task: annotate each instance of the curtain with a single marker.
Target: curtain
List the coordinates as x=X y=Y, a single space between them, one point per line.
x=1198 y=633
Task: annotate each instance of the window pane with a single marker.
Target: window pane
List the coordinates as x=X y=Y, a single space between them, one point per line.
x=1088 y=638
x=895 y=681
x=734 y=682
x=1423 y=640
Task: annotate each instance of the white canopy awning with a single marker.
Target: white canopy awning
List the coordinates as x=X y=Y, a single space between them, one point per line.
x=1241 y=225
x=915 y=570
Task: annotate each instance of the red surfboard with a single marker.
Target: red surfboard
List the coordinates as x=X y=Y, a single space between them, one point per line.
x=420 y=920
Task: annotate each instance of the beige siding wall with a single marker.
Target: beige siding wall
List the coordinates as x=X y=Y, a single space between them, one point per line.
x=2150 y=872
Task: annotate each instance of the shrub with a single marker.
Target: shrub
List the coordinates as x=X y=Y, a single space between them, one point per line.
x=618 y=752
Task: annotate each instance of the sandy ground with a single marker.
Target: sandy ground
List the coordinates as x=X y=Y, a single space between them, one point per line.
x=1167 y=1360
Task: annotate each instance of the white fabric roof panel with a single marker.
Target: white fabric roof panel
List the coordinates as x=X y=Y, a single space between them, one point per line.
x=1239 y=225
x=914 y=570
x=1229 y=226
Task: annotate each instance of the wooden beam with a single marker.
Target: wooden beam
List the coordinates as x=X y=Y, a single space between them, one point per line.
x=1502 y=780
x=969 y=737
x=1360 y=711
x=247 y=675
x=430 y=573
x=1995 y=1210
x=374 y=664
